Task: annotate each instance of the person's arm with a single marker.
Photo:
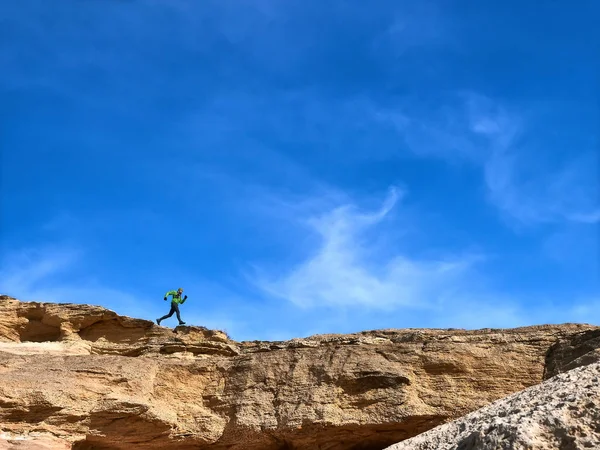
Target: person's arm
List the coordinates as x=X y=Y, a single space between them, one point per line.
x=169 y=293
x=184 y=299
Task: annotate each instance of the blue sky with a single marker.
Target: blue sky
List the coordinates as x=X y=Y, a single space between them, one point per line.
x=303 y=167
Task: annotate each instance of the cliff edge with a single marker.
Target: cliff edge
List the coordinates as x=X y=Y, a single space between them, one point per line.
x=84 y=377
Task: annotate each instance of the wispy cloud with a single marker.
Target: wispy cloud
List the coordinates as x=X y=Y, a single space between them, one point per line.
x=526 y=177
x=21 y=271
x=521 y=180
x=351 y=267
x=48 y=274
x=565 y=194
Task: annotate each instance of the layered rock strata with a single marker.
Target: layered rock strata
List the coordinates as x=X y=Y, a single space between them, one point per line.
x=561 y=413
x=87 y=378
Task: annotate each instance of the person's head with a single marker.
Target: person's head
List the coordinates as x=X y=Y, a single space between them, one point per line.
x=180 y=290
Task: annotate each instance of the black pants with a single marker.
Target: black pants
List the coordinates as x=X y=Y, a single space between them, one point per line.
x=174 y=309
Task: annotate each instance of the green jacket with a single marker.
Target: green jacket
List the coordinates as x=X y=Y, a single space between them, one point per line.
x=176 y=297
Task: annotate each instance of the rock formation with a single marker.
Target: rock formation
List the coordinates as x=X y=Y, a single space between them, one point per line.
x=561 y=413
x=83 y=377
x=578 y=349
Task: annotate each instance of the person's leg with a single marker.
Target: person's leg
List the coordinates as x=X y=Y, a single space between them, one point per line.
x=173 y=309
x=178 y=315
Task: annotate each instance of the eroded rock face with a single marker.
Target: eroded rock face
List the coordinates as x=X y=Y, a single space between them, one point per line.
x=576 y=350
x=561 y=413
x=105 y=381
x=96 y=330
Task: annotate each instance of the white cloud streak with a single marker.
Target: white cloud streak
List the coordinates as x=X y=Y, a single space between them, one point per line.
x=347 y=269
x=521 y=178
x=521 y=187
x=520 y=181
x=39 y=275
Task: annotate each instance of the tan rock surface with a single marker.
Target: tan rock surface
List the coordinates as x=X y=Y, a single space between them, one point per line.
x=32 y=441
x=561 y=413
x=110 y=382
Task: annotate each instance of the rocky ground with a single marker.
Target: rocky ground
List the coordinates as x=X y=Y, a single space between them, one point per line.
x=561 y=413
x=82 y=377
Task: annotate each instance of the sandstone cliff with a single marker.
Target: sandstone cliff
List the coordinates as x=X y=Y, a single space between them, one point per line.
x=561 y=413
x=83 y=376
x=575 y=350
